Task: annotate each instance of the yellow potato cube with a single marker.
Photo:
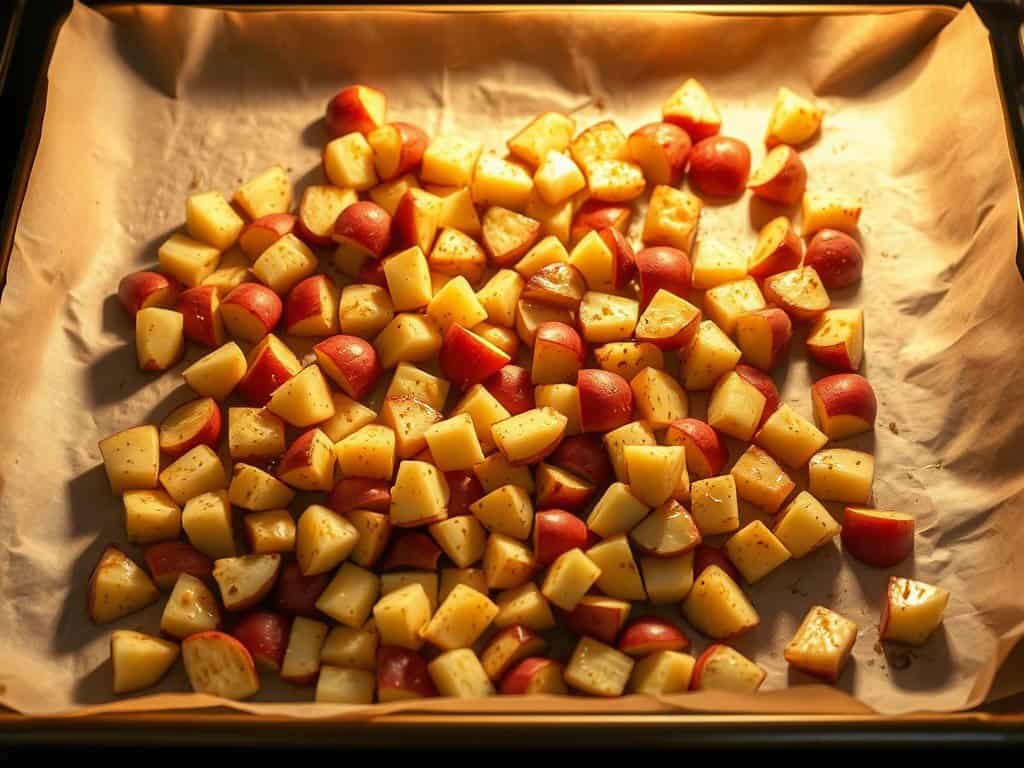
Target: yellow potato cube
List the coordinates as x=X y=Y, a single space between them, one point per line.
x=713 y=505
x=496 y=471
x=755 y=551
x=662 y=672
x=617 y=511
x=620 y=575
x=715 y=263
x=374 y=530
x=453 y=443
x=805 y=525
x=830 y=210
x=598 y=669
x=186 y=260
x=216 y=374
x=524 y=605
x=389 y=194
x=323 y=539
x=500 y=296
x=606 y=317
x=531 y=314
x=150 y=516
x=569 y=578
x=499 y=182
x=564 y=398
x=409 y=419
x=484 y=410
x=391 y=582
x=210 y=219
x=118 y=587
x=760 y=480
x=190 y=608
x=668 y=579
x=793 y=120
x=348 y=162
x=254 y=433
x=615 y=442
x=252 y=488
x=789 y=437
x=451 y=577
x=629 y=358
x=196 y=472
x=462 y=538
x=724 y=303
x=717 y=607
x=529 y=436
x=672 y=216
x=303 y=400
x=408 y=338
x=269 y=532
x=461 y=619
x=554 y=220
x=419 y=496
x=736 y=406
x=131 y=458
x=350 y=648
x=367 y=452
x=345 y=686
x=654 y=471
x=459 y=213
x=460 y=674
x=365 y=310
x=558 y=178
x=284 y=264
x=231 y=272
x=270 y=192
x=548 y=251
x=822 y=644
x=840 y=474
x=710 y=356
x=602 y=141
x=455 y=303
x=139 y=660
x=410 y=381
x=450 y=160
x=506 y=510
x=408 y=277
x=659 y=398
x=614 y=181
x=912 y=611
x=546 y=133
x=595 y=261
x=400 y=615
x=350 y=596
x=159 y=338
x=207 y=521
x=507 y=563
x=349 y=416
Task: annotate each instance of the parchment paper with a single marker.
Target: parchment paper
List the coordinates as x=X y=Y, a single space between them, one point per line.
x=147 y=105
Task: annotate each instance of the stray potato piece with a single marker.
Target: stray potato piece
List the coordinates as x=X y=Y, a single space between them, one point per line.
x=598 y=669
x=822 y=644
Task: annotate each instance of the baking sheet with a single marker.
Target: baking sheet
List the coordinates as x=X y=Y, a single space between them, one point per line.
x=146 y=105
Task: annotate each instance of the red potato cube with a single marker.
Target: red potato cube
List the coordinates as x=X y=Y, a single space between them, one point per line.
x=401 y=675
x=844 y=405
x=719 y=166
x=794 y=120
x=561 y=489
x=508 y=647
x=781 y=178
x=462 y=538
x=360 y=493
x=416 y=220
x=530 y=315
x=196 y=472
x=500 y=296
x=706 y=555
x=453 y=443
x=355 y=108
x=254 y=433
x=336 y=685
x=663 y=268
x=245 y=581
x=410 y=419
x=595 y=215
x=534 y=675
x=649 y=635
x=555 y=532
x=506 y=510
x=606 y=400
x=615 y=442
x=411 y=549
x=799 y=292
x=319 y=209
x=455 y=302
x=140 y=290
x=191 y=608
x=284 y=264
x=350 y=362
x=219 y=665
x=262 y=232
x=308 y=464
x=365 y=310
x=558 y=178
x=118 y=587
x=512 y=387
x=709 y=356
x=691 y=108
x=267 y=193
x=763 y=336
x=297 y=594
x=877 y=538
x=187 y=261
x=374 y=530
x=397 y=149
x=911 y=611
x=304 y=399
x=822 y=644
x=661 y=150
x=402 y=614
x=653 y=471
x=554 y=220
x=159 y=338
x=520 y=605
x=507 y=563
x=311 y=308
x=407 y=338
x=668 y=322
x=467 y=359
x=231 y=272
x=195 y=423
x=778 y=249
x=721 y=668
x=419 y=495
x=508 y=235
x=251 y=311
x=408 y=279
x=557 y=285
x=599 y=617
x=617 y=511
x=584 y=456
x=168 y=560
x=363 y=227
x=706 y=453
x=837 y=258
x=837 y=339
x=558 y=354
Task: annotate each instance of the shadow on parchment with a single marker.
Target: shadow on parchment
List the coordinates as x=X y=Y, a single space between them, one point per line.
x=116 y=320
x=148 y=254
x=116 y=376
x=94 y=510
x=846 y=682
x=74 y=629
x=920 y=668
x=315 y=135
x=762 y=211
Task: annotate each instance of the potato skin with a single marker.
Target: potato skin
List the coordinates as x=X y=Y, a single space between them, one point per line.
x=836 y=257
x=719 y=166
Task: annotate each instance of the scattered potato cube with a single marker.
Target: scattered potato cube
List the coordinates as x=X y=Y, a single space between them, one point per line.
x=473 y=578
x=253 y=489
x=367 y=452
x=210 y=219
x=717 y=607
x=755 y=551
x=151 y=516
x=667 y=579
x=269 y=532
x=396 y=580
x=460 y=674
x=620 y=575
x=654 y=471
x=207 y=521
x=500 y=182
x=408 y=338
x=789 y=437
x=349 y=416
x=546 y=133
x=453 y=443
x=598 y=669
x=485 y=411
x=558 y=178
x=725 y=303
x=507 y=510
x=617 y=511
x=284 y=264
x=216 y=374
x=507 y=563
x=450 y=161
x=822 y=644
x=365 y=310
x=304 y=400
x=461 y=619
x=805 y=525
x=840 y=474
x=830 y=210
x=462 y=538
x=345 y=686
x=912 y=611
x=715 y=264
x=350 y=648
x=736 y=407
x=659 y=398
x=400 y=615
x=615 y=442
x=196 y=472
x=457 y=303
x=348 y=162
x=760 y=480
x=131 y=458
x=672 y=216
x=269 y=192
x=186 y=260
x=500 y=295
x=662 y=672
x=710 y=356
x=605 y=317
x=495 y=471
x=408 y=277
x=323 y=539
x=350 y=596
x=254 y=433
x=569 y=578
x=419 y=496
x=602 y=141
x=714 y=506
x=524 y=605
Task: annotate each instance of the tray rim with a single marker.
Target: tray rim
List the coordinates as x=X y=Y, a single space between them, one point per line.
x=207 y=727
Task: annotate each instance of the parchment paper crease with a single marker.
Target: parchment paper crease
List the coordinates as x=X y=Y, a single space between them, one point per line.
x=147 y=105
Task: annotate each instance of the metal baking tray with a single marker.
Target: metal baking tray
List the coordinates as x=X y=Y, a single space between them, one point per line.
x=28 y=32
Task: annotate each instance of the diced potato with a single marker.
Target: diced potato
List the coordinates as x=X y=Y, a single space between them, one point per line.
x=614 y=181
x=208 y=524
x=324 y=538
x=558 y=178
x=495 y=471
x=409 y=419
x=284 y=264
x=186 y=260
x=617 y=511
x=710 y=356
x=450 y=160
x=546 y=133
x=118 y=587
x=789 y=437
x=453 y=443
x=912 y=611
x=252 y=488
x=396 y=580
x=830 y=210
x=269 y=532
x=302 y=655
x=605 y=317
x=151 y=516
x=755 y=551
x=500 y=182
x=629 y=358
x=419 y=496
x=389 y=194
x=304 y=400
x=662 y=672
x=460 y=674
x=672 y=216
x=715 y=263
x=529 y=436
x=564 y=398
x=659 y=398
x=139 y=660
x=717 y=607
x=602 y=141
x=484 y=410
x=400 y=615
x=461 y=619
x=254 y=433
x=459 y=213
x=620 y=576
x=408 y=277
x=569 y=578
x=668 y=579
x=270 y=192
x=456 y=303
x=191 y=608
x=714 y=506
x=196 y=472
x=525 y=606
x=345 y=686
x=793 y=120
x=725 y=303
x=216 y=374
x=410 y=381
x=721 y=668
x=822 y=644
x=554 y=220
x=654 y=471
x=367 y=452
x=365 y=310
x=598 y=669
x=210 y=219
x=595 y=261
x=507 y=510
x=350 y=596
x=507 y=563
x=408 y=338
x=131 y=458
x=159 y=338
x=760 y=480
x=805 y=525
x=374 y=531
x=840 y=474
x=349 y=416
x=350 y=648
x=500 y=295
x=736 y=407
x=348 y=162
x=462 y=538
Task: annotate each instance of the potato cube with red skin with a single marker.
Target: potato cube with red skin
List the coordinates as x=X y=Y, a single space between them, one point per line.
x=620 y=575
x=755 y=551
x=196 y=472
x=763 y=336
x=659 y=398
x=793 y=120
x=219 y=665
x=672 y=217
x=365 y=310
x=350 y=595
x=139 y=290
x=714 y=506
x=844 y=405
x=415 y=222
x=459 y=674
x=569 y=578
x=159 y=338
x=304 y=399
x=548 y=132
x=721 y=668
x=530 y=436
x=311 y=308
x=419 y=496
x=556 y=530
x=661 y=150
x=669 y=531
x=599 y=617
x=648 y=634
x=878 y=538
x=453 y=443
x=281 y=266
x=836 y=257
x=397 y=148
x=653 y=471
x=270 y=532
x=780 y=178
x=837 y=339
x=606 y=400
x=805 y=525
x=564 y=398
x=911 y=611
x=717 y=607
x=548 y=251
x=467 y=359
x=169 y=559
x=558 y=284
x=789 y=437
x=558 y=178
x=320 y=209
x=270 y=364
x=830 y=210
x=615 y=442
x=840 y=474
x=605 y=317
x=507 y=510
x=191 y=608
x=558 y=354
x=710 y=356
x=662 y=672
x=667 y=579
x=131 y=458
x=450 y=160
x=253 y=489
x=822 y=644
x=617 y=511
x=139 y=660
x=508 y=235
x=456 y=253
x=508 y=647
x=597 y=215
x=706 y=453
x=598 y=669
x=524 y=605
x=719 y=167
x=724 y=304
x=799 y=292
x=736 y=407
x=399 y=616
x=118 y=587
x=350 y=648
x=691 y=108
x=232 y=271
x=308 y=464
x=407 y=338
x=462 y=538
x=495 y=471
x=186 y=260
x=760 y=480
x=202 y=320
x=460 y=619
x=669 y=321
x=507 y=563
x=402 y=674
x=500 y=182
